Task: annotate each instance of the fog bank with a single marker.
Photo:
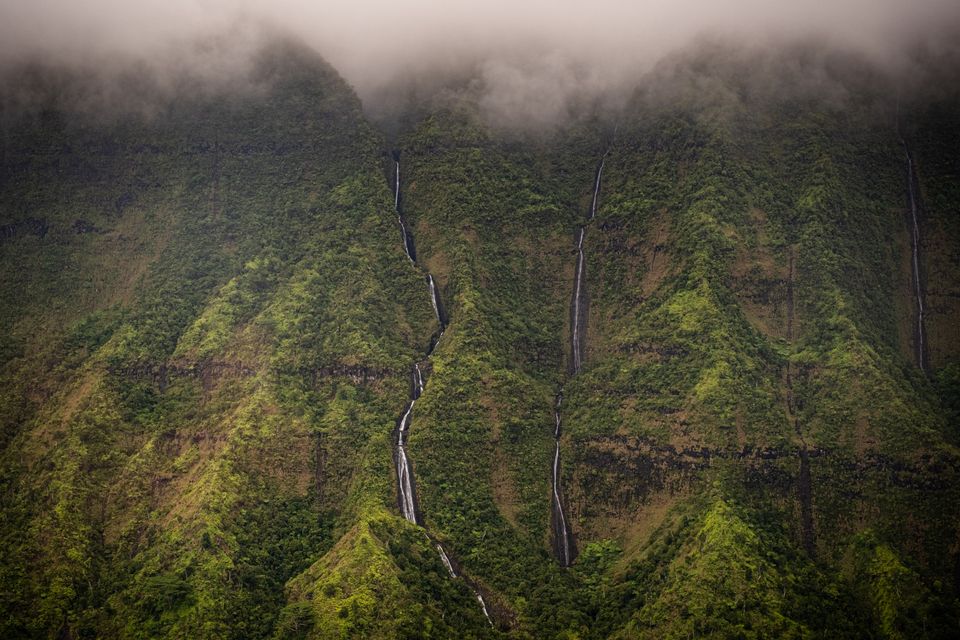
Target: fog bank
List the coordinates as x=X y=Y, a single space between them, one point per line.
x=531 y=59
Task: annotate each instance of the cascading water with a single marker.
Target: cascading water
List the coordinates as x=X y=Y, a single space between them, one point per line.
x=445 y=559
x=562 y=532
x=405 y=482
x=417 y=381
x=596 y=187
x=915 y=247
x=577 y=285
x=483 y=605
x=396 y=190
x=576 y=321
x=404 y=474
x=405 y=233
x=435 y=299
x=406 y=486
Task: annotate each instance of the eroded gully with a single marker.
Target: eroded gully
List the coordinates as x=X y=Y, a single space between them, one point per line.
x=918 y=328
x=406 y=485
x=563 y=542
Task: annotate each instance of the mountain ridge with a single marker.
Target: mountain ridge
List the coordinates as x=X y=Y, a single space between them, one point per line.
x=212 y=318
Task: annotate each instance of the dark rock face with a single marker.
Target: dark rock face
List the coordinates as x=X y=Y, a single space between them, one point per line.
x=211 y=370
x=82 y=226
x=27 y=226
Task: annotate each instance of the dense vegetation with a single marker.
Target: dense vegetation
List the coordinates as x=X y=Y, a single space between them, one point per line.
x=210 y=323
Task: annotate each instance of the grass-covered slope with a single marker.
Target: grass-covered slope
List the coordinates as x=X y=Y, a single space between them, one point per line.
x=759 y=338
x=748 y=330
x=494 y=221
x=208 y=337
x=210 y=324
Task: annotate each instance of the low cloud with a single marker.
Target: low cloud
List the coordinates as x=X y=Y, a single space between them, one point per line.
x=531 y=62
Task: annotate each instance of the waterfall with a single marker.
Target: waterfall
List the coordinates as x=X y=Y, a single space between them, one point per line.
x=556 y=416
x=576 y=346
x=396 y=190
x=483 y=605
x=915 y=237
x=406 y=485
x=405 y=423
x=435 y=300
x=404 y=474
x=407 y=238
x=561 y=527
x=596 y=187
x=577 y=290
x=446 y=561
x=405 y=482
x=563 y=539
x=565 y=549
x=417 y=381
x=915 y=245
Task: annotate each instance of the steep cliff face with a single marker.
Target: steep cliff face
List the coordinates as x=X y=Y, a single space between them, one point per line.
x=212 y=317
x=195 y=378
x=771 y=323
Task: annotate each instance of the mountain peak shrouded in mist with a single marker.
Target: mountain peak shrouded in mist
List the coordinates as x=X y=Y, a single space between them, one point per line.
x=532 y=63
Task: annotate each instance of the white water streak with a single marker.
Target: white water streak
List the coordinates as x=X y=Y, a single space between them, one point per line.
x=596 y=188
x=404 y=474
x=433 y=297
x=403 y=468
x=483 y=605
x=577 y=286
x=915 y=243
x=406 y=486
x=578 y=282
x=446 y=561
x=417 y=381
x=396 y=207
x=565 y=550
x=405 y=423
x=558 y=504
x=915 y=232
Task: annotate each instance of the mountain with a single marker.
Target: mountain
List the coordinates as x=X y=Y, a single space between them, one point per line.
x=662 y=374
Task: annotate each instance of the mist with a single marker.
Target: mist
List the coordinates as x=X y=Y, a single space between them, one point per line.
x=525 y=63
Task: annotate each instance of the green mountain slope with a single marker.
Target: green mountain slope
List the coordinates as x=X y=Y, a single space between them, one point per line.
x=211 y=324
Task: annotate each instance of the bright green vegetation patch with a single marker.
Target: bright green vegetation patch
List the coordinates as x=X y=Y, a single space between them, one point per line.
x=210 y=325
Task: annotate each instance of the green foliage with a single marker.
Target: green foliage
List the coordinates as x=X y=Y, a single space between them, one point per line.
x=724 y=577
x=167 y=466
x=900 y=604
x=211 y=323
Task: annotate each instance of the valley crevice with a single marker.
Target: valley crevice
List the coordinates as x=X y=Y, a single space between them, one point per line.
x=919 y=329
x=564 y=543
x=406 y=483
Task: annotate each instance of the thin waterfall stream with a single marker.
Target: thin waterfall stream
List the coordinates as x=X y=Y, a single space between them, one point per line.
x=576 y=332
x=406 y=486
x=915 y=256
x=406 y=235
x=919 y=327
x=577 y=309
x=562 y=533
